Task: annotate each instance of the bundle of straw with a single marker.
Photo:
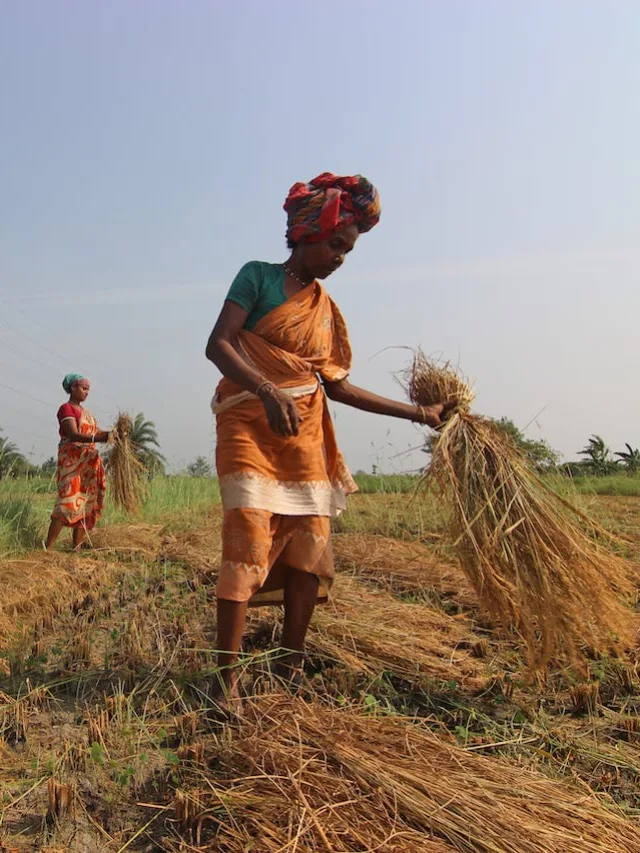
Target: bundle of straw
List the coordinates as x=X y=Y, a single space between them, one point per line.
x=126 y=471
x=524 y=548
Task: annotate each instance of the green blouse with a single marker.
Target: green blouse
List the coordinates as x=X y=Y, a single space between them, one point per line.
x=258 y=288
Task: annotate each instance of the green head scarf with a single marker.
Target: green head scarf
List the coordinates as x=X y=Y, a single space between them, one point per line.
x=70 y=380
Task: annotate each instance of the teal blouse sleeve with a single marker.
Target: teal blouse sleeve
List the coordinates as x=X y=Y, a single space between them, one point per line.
x=245 y=288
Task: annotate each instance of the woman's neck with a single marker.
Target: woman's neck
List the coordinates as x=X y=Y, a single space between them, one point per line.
x=297 y=267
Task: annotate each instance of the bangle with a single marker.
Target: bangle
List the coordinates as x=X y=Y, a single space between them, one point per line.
x=422 y=416
x=266 y=384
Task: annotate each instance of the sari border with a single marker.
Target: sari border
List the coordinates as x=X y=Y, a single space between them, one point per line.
x=250 y=490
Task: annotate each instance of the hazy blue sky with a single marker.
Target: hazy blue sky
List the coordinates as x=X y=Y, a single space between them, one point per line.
x=147 y=147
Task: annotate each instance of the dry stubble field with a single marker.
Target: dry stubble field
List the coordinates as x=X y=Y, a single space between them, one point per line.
x=417 y=729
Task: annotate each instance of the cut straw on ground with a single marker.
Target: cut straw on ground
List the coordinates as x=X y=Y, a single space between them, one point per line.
x=404 y=568
x=371 y=631
x=309 y=777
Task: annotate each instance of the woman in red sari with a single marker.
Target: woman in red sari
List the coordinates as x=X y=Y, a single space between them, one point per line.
x=283 y=349
x=81 y=478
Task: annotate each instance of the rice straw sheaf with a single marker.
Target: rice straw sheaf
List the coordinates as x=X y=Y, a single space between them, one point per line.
x=428 y=382
x=126 y=471
x=526 y=550
x=310 y=777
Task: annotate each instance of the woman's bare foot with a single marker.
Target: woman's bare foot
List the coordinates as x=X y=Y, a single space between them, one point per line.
x=225 y=693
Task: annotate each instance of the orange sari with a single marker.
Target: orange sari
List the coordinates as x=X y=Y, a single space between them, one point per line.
x=81 y=479
x=279 y=493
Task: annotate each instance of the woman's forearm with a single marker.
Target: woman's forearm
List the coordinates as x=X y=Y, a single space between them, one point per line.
x=359 y=398
x=81 y=438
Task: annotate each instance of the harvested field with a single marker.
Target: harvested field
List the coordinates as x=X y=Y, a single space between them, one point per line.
x=338 y=780
x=37 y=587
x=417 y=729
x=143 y=540
x=375 y=632
x=403 y=568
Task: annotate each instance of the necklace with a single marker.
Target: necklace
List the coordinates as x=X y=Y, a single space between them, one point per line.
x=293 y=275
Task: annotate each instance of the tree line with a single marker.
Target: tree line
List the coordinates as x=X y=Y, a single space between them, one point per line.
x=598 y=459
x=144 y=438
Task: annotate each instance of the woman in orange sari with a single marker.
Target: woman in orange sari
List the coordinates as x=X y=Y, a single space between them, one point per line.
x=283 y=349
x=81 y=478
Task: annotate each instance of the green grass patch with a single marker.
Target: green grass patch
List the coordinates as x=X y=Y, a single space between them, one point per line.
x=172 y=499
x=422 y=514
x=620 y=485
x=407 y=511
x=19 y=526
x=26 y=504
x=375 y=484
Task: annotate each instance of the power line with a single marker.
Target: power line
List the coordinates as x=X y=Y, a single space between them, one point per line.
x=11 y=347
x=53 y=407
x=22 y=430
x=11 y=327
x=23 y=369
x=25 y=394
x=18 y=416
x=11 y=367
x=64 y=359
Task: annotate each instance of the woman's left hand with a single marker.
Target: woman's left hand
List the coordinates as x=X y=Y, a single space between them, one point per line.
x=435 y=415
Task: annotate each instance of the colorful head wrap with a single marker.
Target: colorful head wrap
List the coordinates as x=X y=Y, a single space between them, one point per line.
x=70 y=380
x=329 y=202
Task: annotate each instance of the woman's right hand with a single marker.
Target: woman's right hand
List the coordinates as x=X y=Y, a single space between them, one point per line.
x=282 y=412
x=436 y=414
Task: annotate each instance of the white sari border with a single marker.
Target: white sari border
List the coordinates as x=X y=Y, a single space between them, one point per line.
x=249 y=490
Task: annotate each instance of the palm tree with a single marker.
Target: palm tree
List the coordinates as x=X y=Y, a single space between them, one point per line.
x=598 y=456
x=630 y=458
x=49 y=467
x=10 y=457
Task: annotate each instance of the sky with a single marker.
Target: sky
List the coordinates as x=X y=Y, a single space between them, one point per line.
x=147 y=148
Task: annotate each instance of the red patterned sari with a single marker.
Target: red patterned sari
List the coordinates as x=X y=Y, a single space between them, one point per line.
x=81 y=479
